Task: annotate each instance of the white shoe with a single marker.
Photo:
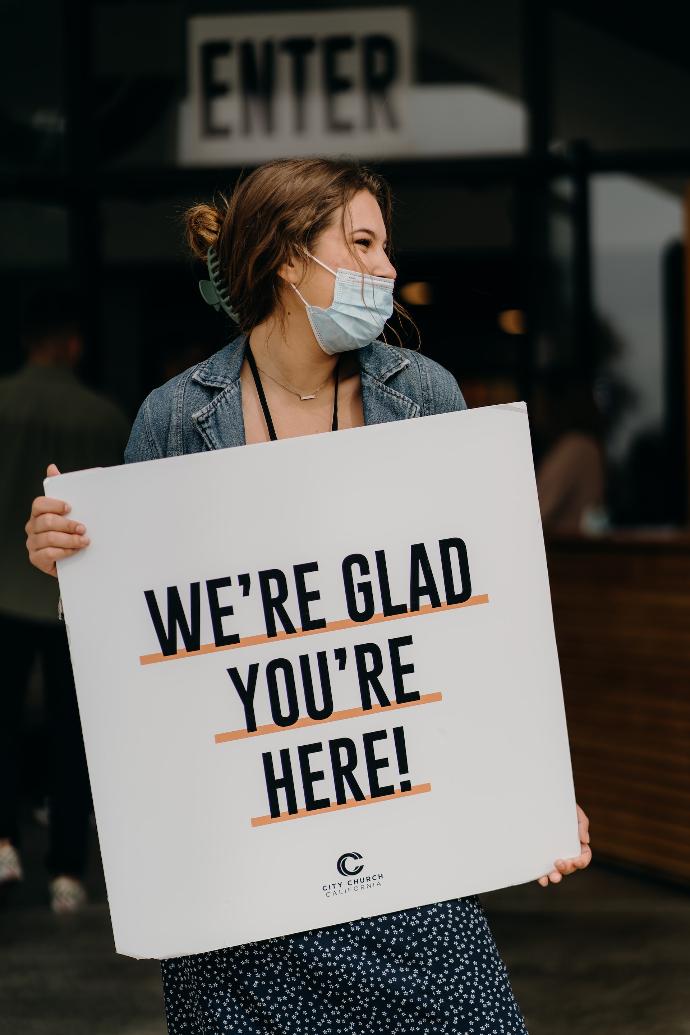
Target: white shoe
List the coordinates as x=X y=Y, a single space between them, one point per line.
x=67 y=895
x=10 y=864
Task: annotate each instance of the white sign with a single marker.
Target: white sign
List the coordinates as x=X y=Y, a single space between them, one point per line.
x=317 y=678
x=308 y=82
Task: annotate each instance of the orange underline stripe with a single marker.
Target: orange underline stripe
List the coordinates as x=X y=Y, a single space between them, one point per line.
x=342 y=623
x=346 y=713
x=262 y=821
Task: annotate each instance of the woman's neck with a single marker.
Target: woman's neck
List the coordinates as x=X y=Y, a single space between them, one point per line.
x=292 y=355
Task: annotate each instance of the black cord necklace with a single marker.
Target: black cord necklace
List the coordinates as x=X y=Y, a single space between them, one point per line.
x=264 y=404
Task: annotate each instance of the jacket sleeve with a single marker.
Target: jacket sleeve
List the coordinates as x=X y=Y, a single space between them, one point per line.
x=443 y=389
x=448 y=397
x=142 y=443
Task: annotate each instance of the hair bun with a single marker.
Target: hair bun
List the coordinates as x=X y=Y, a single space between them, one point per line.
x=203 y=224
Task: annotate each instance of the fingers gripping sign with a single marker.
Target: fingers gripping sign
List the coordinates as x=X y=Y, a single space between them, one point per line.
x=565 y=866
x=50 y=534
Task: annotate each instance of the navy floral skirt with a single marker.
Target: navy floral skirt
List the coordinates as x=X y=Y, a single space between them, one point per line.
x=429 y=970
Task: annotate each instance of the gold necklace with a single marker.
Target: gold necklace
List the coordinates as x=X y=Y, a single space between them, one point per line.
x=289 y=388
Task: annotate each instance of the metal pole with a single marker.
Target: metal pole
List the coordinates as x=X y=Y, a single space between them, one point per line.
x=82 y=174
x=533 y=187
x=585 y=344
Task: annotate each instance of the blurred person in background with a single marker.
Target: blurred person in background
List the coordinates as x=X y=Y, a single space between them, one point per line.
x=570 y=463
x=45 y=411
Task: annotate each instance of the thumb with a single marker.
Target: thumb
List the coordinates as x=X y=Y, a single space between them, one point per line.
x=52 y=471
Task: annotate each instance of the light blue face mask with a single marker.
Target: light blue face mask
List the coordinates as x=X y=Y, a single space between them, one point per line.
x=361 y=305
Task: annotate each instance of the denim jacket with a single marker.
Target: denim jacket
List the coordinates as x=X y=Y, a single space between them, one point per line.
x=201 y=408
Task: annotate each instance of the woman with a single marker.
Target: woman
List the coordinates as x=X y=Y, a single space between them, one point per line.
x=307 y=360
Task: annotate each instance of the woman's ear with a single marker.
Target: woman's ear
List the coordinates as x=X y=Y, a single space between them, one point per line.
x=292 y=270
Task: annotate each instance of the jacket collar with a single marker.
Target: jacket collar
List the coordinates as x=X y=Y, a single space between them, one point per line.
x=220 y=421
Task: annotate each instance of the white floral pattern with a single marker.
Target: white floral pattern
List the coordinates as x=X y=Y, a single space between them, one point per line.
x=430 y=970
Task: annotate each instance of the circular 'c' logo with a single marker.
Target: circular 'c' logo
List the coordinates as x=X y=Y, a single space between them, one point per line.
x=343 y=861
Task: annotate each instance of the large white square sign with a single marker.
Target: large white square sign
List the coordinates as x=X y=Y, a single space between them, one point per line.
x=317 y=678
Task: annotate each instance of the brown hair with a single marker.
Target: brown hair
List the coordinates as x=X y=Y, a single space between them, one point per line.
x=272 y=216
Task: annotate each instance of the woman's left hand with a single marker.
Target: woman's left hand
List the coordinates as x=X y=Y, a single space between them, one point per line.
x=566 y=866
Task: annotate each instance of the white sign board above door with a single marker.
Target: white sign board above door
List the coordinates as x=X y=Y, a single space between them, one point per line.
x=296 y=83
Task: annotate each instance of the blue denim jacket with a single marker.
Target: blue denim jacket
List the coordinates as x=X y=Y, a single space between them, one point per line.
x=201 y=408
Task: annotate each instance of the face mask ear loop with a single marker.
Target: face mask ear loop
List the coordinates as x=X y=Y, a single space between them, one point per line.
x=322 y=264
x=300 y=295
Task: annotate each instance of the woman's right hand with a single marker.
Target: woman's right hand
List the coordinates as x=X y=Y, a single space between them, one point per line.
x=51 y=535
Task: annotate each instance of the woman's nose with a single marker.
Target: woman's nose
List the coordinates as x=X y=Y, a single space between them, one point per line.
x=385 y=268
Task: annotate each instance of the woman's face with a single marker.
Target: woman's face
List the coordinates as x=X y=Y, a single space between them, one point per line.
x=365 y=233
